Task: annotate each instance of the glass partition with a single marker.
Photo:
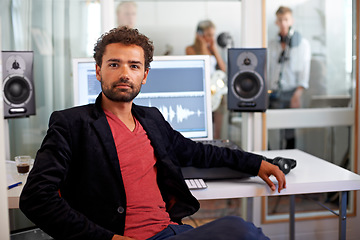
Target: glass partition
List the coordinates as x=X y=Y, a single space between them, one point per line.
x=327 y=27
x=172 y=24
x=326 y=118
x=56 y=31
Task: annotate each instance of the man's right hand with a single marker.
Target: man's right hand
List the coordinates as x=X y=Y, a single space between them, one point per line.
x=266 y=170
x=118 y=237
x=295 y=101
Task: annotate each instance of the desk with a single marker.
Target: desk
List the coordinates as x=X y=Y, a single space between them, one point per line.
x=14 y=177
x=311 y=175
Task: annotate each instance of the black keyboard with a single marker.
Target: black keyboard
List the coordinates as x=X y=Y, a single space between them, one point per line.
x=221 y=143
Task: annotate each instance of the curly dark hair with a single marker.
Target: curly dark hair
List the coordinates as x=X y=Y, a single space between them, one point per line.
x=126 y=36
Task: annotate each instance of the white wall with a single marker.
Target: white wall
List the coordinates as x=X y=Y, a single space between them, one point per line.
x=4 y=214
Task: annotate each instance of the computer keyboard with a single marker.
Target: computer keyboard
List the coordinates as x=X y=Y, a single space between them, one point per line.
x=221 y=143
x=215 y=173
x=196 y=183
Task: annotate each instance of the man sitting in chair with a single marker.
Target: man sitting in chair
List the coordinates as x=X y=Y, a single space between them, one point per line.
x=111 y=170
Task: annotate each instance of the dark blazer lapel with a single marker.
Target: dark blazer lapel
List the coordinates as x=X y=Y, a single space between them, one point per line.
x=103 y=131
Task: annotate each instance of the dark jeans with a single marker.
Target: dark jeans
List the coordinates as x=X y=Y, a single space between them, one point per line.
x=226 y=228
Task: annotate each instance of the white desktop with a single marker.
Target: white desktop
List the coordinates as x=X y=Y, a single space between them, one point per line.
x=311 y=175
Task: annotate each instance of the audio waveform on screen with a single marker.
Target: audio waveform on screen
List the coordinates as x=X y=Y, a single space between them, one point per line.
x=179 y=112
x=184 y=113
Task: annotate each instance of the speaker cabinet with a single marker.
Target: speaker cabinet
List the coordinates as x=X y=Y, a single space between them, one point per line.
x=247 y=91
x=18 y=84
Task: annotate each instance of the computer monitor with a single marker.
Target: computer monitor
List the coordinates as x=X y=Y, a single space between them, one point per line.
x=85 y=85
x=179 y=86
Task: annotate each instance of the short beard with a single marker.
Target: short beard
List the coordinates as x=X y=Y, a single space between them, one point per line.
x=120 y=95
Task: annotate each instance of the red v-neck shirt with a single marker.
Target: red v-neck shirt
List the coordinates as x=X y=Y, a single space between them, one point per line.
x=145 y=213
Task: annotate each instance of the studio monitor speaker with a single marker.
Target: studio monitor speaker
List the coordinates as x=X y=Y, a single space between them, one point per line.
x=18 y=85
x=247 y=91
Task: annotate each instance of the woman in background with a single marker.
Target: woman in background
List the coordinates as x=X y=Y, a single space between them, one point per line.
x=205 y=44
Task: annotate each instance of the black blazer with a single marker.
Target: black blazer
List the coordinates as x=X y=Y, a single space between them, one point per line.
x=75 y=189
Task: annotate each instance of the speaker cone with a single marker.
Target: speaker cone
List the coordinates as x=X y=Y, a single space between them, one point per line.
x=17 y=90
x=247 y=85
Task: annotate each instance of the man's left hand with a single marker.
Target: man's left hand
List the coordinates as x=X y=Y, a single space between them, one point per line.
x=266 y=170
